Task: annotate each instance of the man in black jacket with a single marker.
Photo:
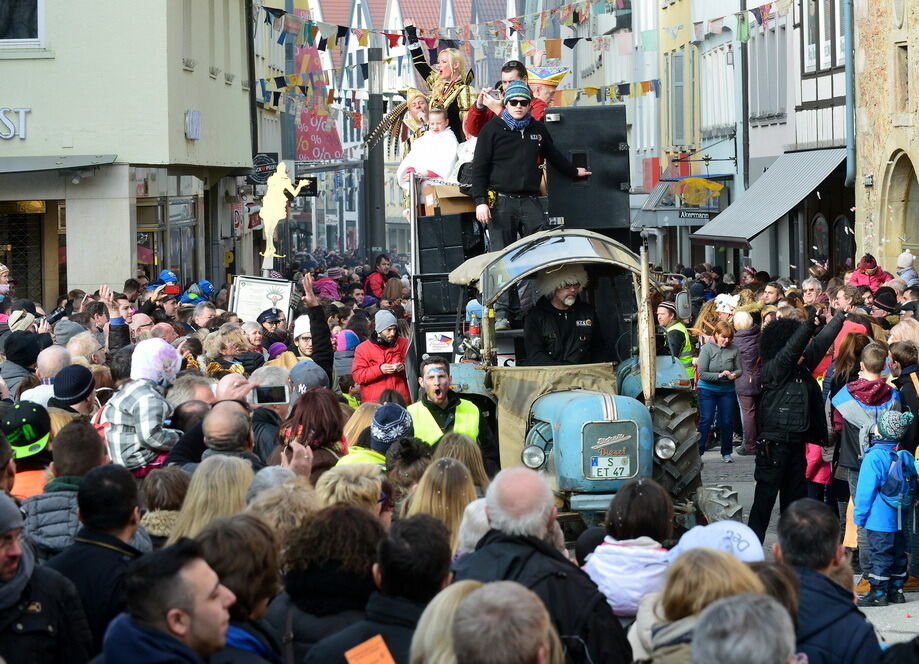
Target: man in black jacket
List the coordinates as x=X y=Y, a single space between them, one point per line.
x=560 y=328
x=831 y=629
x=521 y=509
x=41 y=619
x=100 y=553
x=413 y=565
x=790 y=412
x=508 y=154
x=904 y=364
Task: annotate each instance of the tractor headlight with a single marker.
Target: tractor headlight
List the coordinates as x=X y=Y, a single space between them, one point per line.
x=533 y=456
x=665 y=448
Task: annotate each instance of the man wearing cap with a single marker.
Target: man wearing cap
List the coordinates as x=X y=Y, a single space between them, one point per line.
x=379 y=362
x=487 y=106
x=27 y=427
x=506 y=175
x=885 y=308
x=678 y=340
x=560 y=328
x=74 y=390
x=41 y=617
x=22 y=349
x=390 y=423
x=269 y=320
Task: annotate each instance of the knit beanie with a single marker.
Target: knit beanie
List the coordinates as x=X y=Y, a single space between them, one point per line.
x=276 y=349
x=155 y=359
x=73 y=384
x=20 y=320
x=905 y=260
x=390 y=423
x=65 y=330
x=346 y=340
x=10 y=514
x=893 y=424
x=885 y=299
x=301 y=326
x=22 y=348
x=867 y=262
x=516 y=90
x=382 y=320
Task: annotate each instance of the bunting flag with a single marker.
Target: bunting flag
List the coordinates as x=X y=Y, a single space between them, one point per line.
x=698 y=31
x=743 y=27
x=649 y=40
x=716 y=25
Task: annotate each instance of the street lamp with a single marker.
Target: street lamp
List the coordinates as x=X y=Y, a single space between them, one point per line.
x=375 y=210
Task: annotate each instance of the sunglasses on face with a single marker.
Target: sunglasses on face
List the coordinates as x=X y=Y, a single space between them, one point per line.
x=518 y=102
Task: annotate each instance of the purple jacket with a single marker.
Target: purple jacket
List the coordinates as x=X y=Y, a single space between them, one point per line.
x=747 y=341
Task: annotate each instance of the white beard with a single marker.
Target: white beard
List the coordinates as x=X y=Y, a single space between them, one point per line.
x=570 y=300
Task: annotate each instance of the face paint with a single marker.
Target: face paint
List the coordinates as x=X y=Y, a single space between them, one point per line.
x=436 y=383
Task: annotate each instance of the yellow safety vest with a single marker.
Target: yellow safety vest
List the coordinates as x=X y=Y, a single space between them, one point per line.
x=465 y=421
x=353 y=401
x=362 y=455
x=685 y=356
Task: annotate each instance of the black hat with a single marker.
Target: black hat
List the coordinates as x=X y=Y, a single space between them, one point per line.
x=28 y=428
x=73 y=384
x=269 y=316
x=22 y=348
x=885 y=299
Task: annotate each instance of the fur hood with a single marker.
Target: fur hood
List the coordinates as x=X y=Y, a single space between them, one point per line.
x=159 y=523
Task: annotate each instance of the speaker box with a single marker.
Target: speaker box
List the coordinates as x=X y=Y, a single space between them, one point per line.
x=437 y=296
x=593 y=137
x=446 y=240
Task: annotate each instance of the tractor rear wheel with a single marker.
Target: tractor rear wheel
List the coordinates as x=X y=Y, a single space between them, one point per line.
x=675 y=416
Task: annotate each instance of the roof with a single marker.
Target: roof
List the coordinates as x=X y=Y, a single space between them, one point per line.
x=787 y=182
x=462 y=12
x=377 y=12
x=424 y=13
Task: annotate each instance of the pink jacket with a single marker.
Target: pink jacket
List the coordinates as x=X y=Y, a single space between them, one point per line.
x=817 y=469
x=872 y=281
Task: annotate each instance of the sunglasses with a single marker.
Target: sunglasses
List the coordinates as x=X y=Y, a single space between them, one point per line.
x=518 y=102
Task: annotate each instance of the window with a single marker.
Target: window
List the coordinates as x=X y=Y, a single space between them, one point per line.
x=21 y=24
x=677 y=100
x=811 y=27
x=227 y=65
x=826 y=34
x=902 y=80
x=769 y=71
x=717 y=102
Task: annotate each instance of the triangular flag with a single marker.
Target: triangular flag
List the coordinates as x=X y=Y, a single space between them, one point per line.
x=743 y=27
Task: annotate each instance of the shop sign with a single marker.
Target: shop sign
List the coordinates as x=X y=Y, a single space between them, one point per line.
x=695 y=214
x=13 y=122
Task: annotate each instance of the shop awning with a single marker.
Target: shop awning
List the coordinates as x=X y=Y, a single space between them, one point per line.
x=787 y=182
x=70 y=162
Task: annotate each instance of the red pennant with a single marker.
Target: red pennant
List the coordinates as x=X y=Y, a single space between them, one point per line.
x=393 y=39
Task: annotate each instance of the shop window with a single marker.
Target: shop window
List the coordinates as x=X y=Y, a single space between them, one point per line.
x=810 y=35
x=819 y=251
x=22 y=24
x=843 y=245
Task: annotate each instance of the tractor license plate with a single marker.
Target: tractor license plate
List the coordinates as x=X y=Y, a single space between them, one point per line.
x=609 y=467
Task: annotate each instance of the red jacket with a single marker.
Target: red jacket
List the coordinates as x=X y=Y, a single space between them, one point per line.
x=476 y=118
x=368 y=356
x=373 y=284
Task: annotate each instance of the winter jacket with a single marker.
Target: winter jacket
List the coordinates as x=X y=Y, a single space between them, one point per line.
x=317 y=603
x=47 y=625
x=119 y=335
x=159 y=524
x=138 y=433
x=648 y=615
x=95 y=564
x=585 y=623
x=51 y=520
x=554 y=336
x=671 y=643
x=249 y=642
x=909 y=401
x=394 y=618
x=477 y=117
x=909 y=275
x=872 y=281
x=265 y=423
x=368 y=357
x=627 y=570
x=747 y=342
x=344 y=359
x=713 y=359
x=12 y=374
x=817 y=470
x=870 y=509
x=858 y=406
x=375 y=281
x=786 y=366
x=507 y=160
x=831 y=629
x=126 y=641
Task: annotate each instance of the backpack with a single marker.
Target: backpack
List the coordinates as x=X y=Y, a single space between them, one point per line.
x=899 y=487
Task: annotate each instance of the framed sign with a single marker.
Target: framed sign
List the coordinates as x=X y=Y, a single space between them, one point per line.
x=250 y=296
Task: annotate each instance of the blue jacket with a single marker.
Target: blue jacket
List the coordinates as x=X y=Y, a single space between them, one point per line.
x=128 y=642
x=871 y=511
x=831 y=629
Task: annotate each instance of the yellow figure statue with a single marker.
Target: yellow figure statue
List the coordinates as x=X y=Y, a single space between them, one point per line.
x=274 y=208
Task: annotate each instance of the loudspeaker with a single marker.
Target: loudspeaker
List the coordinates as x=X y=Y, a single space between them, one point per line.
x=436 y=296
x=446 y=240
x=593 y=137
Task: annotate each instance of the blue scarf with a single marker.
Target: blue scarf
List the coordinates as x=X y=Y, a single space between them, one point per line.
x=239 y=638
x=516 y=125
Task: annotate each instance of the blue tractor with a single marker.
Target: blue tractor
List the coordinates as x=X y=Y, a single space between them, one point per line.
x=591 y=427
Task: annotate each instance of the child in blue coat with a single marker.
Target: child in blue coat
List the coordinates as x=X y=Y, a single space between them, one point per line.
x=884 y=523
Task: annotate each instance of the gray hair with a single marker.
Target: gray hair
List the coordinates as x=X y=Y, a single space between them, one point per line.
x=268 y=478
x=813 y=281
x=226 y=432
x=51 y=360
x=520 y=502
x=201 y=307
x=269 y=376
x=251 y=326
x=184 y=388
x=501 y=623
x=472 y=528
x=744 y=629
